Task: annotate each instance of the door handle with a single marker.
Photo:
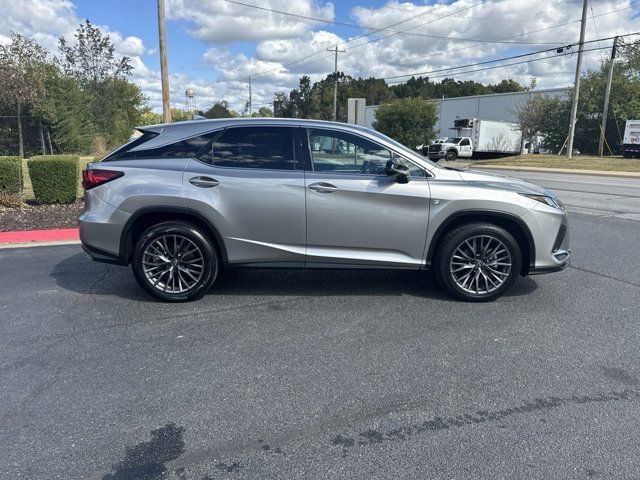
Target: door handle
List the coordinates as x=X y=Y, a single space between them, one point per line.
x=322 y=187
x=204 y=182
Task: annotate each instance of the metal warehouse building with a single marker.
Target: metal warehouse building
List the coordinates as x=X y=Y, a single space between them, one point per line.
x=497 y=106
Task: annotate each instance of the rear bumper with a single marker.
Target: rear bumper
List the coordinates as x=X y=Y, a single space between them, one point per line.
x=101 y=256
x=101 y=226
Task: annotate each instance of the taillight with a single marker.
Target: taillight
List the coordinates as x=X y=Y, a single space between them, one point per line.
x=93 y=178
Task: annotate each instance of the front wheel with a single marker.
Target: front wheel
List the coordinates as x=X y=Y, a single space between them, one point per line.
x=478 y=262
x=451 y=155
x=175 y=262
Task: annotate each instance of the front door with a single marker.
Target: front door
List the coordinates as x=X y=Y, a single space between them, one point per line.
x=356 y=214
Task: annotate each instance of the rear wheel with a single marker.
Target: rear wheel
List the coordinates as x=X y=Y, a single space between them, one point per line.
x=175 y=262
x=451 y=155
x=478 y=262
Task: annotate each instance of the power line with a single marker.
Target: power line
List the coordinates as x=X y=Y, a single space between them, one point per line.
x=505 y=58
x=439 y=52
x=364 y=27
x=373 y=32
x=505 y=38
x=499 y=66
x=339 y=45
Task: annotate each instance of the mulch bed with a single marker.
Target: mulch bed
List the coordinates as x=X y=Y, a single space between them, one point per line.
x=32 y=216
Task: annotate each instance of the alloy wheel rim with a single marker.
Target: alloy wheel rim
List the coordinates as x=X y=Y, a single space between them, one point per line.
x=480 y=265
x=173 y=264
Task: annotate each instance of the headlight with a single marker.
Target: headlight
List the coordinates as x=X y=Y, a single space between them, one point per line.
x=551 y=201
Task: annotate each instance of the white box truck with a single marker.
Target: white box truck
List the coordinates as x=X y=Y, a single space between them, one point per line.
x=631 y=141
x=476 y=137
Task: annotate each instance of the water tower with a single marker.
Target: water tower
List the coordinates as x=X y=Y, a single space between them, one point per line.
x=190 y=101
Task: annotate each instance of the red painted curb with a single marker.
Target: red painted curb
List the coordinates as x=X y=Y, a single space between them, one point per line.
x=26 y=236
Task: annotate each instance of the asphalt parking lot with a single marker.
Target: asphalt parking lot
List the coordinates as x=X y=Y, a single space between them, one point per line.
x=325 y=374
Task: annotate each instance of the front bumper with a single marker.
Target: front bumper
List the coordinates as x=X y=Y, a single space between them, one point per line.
x=550 y=230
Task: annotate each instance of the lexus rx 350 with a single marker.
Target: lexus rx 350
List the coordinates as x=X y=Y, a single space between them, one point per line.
x=184 y=200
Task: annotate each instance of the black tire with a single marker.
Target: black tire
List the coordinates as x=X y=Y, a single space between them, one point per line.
x=451 y=155
x=192 y=237
x=453 y=240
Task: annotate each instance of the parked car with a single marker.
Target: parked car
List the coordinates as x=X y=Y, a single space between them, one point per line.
x=184 y=200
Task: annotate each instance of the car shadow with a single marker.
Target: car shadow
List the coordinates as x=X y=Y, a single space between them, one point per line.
x=80 y=275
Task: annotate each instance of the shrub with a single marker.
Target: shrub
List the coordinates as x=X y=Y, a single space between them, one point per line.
x=10 y=181
x=54 y=178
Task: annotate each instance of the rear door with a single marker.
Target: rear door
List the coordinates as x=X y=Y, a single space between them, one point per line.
x=250 y=184
x=355 y=213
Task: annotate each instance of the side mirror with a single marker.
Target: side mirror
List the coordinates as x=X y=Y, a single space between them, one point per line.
x=397 y=169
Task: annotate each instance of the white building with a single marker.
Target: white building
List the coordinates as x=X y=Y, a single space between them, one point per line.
x=496 y=106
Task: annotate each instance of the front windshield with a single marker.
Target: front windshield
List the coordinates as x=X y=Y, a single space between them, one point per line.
x=454 y=140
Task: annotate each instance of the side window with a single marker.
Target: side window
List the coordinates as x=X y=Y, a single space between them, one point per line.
x=254 y=147
x=465 y=142
x=187 y=148
x=340 y=152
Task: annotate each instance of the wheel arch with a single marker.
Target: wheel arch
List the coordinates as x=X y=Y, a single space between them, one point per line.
x=147 y=217
x=511 y=223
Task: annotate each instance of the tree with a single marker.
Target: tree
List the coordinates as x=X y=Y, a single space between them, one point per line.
x=302 y=100
x=91 y=59
x=624 y=104
x=263 y=112
x=506 y=86
x=282 y=107
x=529 y=118
x=22 y=75
x=64 y=109
x=113 y=103
x=219 y=109
x=410 y=121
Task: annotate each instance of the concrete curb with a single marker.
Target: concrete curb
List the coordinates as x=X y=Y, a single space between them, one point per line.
x=39 y=237
x=6 y=246
x=598 y=173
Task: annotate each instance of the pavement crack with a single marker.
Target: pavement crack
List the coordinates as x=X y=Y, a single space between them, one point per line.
x=101 y=278
x=438 y=423
x=604 y=275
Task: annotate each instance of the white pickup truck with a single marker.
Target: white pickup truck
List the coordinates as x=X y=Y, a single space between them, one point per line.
x=631 y=141
x=478 y=137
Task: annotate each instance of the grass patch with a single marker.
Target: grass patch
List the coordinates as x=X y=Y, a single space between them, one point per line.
x=604 y=164
x=27 y=193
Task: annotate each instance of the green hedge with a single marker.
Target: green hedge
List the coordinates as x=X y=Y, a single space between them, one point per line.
x=10 y=181
x=54 y=178
x=10 y=175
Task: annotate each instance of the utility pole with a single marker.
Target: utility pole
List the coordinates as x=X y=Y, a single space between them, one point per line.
x=576 y=83
x=335 y=51
x=164 y=75
x=250 y=106
x=607 y=92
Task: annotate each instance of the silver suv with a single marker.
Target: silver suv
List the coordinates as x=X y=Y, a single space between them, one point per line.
x=183 y=200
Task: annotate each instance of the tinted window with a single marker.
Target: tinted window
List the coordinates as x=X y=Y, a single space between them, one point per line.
x=465 y=141
x=253 y=147
x=145 y=137
x=340 y=152
x=187 y=148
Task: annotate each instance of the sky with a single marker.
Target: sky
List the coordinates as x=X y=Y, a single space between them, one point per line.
x=213 y=46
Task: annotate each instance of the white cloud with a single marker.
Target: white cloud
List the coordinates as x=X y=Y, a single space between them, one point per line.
x=225 y=22
x=129 y=46
x=280 y=41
